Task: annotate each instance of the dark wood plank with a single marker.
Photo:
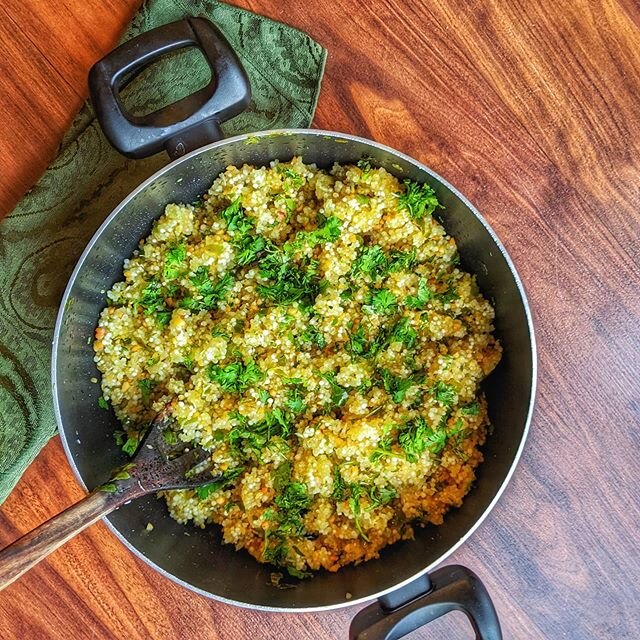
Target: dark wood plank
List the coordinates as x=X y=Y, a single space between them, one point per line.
x=45 y=54
x=532 y=110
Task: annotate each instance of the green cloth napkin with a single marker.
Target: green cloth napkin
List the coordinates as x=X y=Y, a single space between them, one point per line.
x=41 y=240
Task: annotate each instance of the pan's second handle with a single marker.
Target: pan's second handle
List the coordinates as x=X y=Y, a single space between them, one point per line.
x=182 y=126
x=452 y=588
x=36 y=545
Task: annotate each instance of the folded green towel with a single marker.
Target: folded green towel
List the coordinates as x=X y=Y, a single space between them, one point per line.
x=41 y=240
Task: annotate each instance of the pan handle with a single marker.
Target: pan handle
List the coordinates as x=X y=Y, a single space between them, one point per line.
x=452 y=588
x=182 y=126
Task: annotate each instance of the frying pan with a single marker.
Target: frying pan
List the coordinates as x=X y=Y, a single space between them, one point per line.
x=407 y=595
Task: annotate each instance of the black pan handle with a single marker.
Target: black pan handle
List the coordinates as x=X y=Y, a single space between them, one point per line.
x=182 y=126
x=452 y=588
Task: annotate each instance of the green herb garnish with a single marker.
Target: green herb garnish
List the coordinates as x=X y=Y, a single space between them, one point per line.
x=382 y=302
x=416 y=437
x=448 y=296
x=207 y=293
x=295 y=399
x=398 y=387
x=224 y=481
x=444 y=393
x=169 y=436
x=131 y=445
x=424 y=295
x=339 y=491
x=293 y=179
x=339 y=394
x=356 y=508
x=236 y=220
x=289 y=282
x=146 y=387
x=103 y=404
x=371 y=261
x=328 y=232
x=471 y=409
x=383 y=450
x=403 y=332
x=175 y=258
x=235 y=377
x=402 y=260
x=418 y=199
x=364 y=164
x=312 y=336
x=153 y=303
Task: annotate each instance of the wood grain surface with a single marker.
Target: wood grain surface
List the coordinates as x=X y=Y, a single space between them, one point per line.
x=532 y=109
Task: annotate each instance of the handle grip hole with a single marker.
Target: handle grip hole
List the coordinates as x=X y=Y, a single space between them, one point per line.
x=180 y=74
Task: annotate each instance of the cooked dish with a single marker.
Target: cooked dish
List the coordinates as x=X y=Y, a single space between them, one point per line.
x=313 y=330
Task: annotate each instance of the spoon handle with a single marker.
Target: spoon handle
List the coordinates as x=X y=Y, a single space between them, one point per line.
x=28 y=550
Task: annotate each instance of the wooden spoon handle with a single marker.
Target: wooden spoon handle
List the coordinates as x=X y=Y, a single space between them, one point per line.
x=27 y=551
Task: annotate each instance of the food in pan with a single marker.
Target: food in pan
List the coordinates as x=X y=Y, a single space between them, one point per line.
x=314 y=331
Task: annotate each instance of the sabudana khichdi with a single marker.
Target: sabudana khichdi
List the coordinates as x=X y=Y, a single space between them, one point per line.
x=314 y=332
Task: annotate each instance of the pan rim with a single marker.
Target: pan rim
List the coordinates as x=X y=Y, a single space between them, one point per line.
x=339 y=136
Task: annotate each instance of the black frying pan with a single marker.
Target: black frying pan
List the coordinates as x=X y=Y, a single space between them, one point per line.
x=408 y=595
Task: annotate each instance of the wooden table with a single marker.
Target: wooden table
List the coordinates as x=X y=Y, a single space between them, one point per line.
x=533 y=111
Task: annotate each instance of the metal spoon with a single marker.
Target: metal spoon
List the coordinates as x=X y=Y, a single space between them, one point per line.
x=155 y=467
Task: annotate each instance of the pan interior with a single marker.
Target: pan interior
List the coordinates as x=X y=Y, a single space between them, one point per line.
x=196 y=557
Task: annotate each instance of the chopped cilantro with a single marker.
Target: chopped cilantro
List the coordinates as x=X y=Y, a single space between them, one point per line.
x=364 y=164
x=371 y=261
x=131 y=445
x=290 y=282
x=358 y=344
x=169 y=436
x=397 y=387
x=248 y=248
x=294 y=498
x=383 y=450
x=103 y=404
x=282 y=476
x=188 y=364
x=207 y=293
x=235 y=377
x=153 y=303
x=379 y=496
x=339 y=490
x=418 y=199
x=339 y=394
x=444 y=393
x=224 y=481
x=356 y=508
x=175 y=257
x=402 y=260
x=146 y=387
x=293 y=179
x=253 y=437
x=295 y=399
x=471 y=409
x=236 y=220
x=328 y=232
x=313 y=337
x=403 y=332
x=424 y=295
x=448 y=296
x=416 y=437
x=382 y=302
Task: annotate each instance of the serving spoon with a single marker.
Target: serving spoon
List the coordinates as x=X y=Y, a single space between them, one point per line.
x=155 y=467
